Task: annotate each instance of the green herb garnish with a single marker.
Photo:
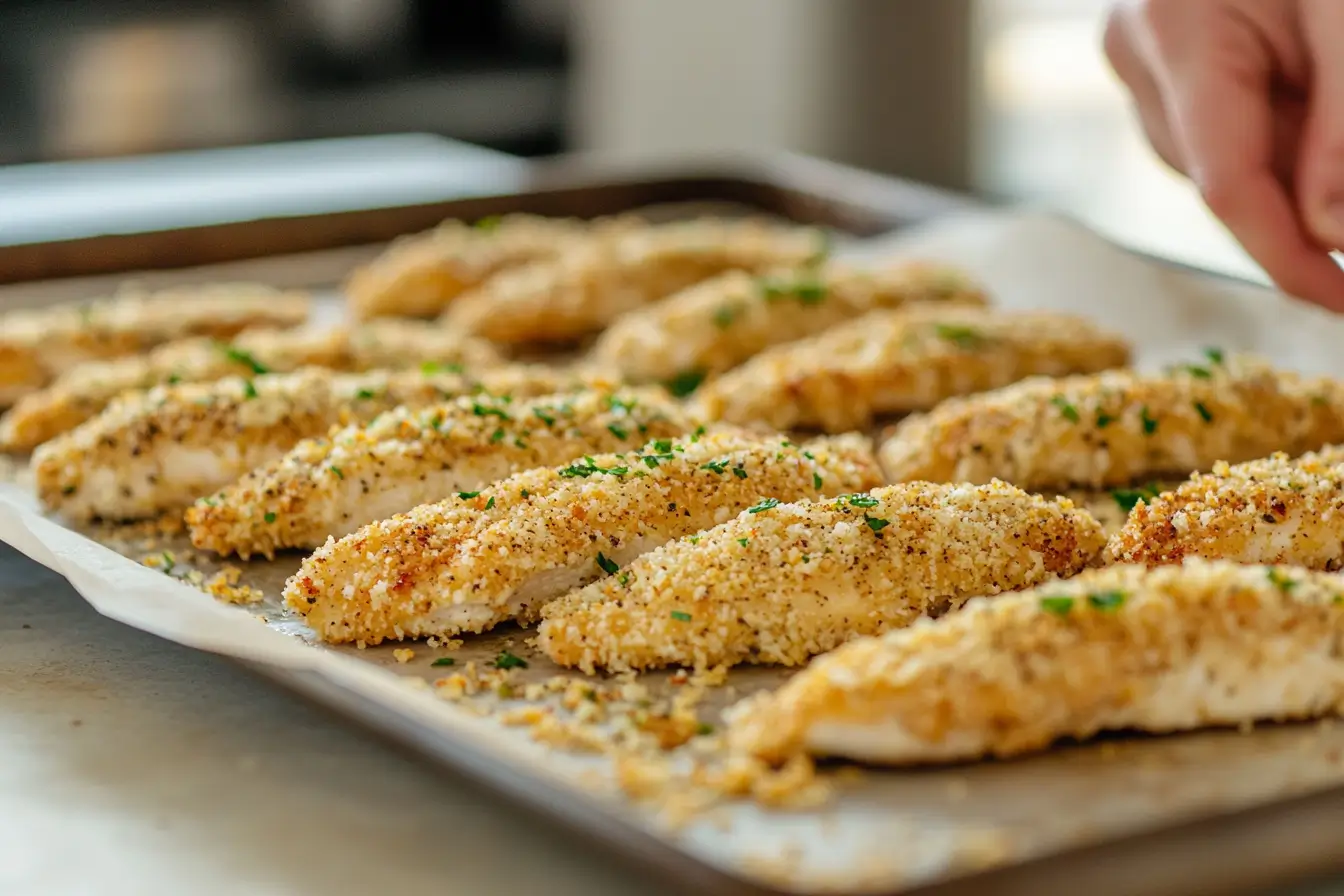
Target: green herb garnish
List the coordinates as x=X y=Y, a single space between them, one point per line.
x=429 y=368
x=1066 y=410
x=685 y=383
x=717 y=466
x=1214 y=354
x=490 y=503
x=618 y=431
x=507 y=660
x=877 y=525
x=1149 y=421
x=467 y=495
x=739 y=472
x=1106 y=601
x=606 y=564
x=962 y=336
x=816 y=480
x=488 y=223
x=764 y=505
x=1060 y=606
x=337 y=471
x=680 y=616
x=443 y=661
x=859 y=500
x=743 y=541
x=1279 y=580
x=268 y=516
x=1127 y=498
x=724 y=316
x=1104 y=420
x=485 y=410
x=543 y=416
x=238 y=356
x=249 y=389
x=1203 y=412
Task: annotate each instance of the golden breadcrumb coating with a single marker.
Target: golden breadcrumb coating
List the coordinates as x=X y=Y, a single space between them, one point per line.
x=782 y=583
x=156 y=451
x=717 y=324
x=84 y=391
x=1276 y=510
x=38 y=345
x=585 y=289
x=1118 y=427
x=468 y=564
x=420 y=274
x=408 y=457
x=1171 y=649
x=889 y=362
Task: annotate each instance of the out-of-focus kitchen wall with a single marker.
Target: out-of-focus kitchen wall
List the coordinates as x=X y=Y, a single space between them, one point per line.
x=1005 y=97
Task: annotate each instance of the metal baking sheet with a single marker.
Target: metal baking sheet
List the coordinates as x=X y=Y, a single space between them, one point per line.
x=1056 y=822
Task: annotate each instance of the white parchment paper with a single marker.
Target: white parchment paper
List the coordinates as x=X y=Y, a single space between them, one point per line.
x=888 y=828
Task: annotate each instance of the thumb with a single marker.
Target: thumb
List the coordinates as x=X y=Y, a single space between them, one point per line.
x=1320 y=183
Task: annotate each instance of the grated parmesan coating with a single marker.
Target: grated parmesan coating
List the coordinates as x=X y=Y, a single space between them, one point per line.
x=719 y=323
x=584 y=290
x=782 y=584
x=1171 y=649
x=904 y=360
x=409 y=457
x=38 y=345
x=1275 y=510
x=151 y=452
x=84 y=391
x=420 y=274
x=468 y=564
x=1118 y=427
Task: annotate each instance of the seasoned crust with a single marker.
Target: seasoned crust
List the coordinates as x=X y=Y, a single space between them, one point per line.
x=1118 y=427
x=407 y=457
x=1274 y=510
x=781 y=584
x=1171 y=649
x=719 y=323
x=889 y=362
x=584 y=290
x=467 y=564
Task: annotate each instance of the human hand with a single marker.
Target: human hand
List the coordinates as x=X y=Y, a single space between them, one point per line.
x=1246 y=97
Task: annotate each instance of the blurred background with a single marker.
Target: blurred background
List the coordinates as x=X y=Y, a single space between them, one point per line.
x=1008 y=98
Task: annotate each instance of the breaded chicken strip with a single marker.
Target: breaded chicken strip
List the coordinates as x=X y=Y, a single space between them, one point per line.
x=784 y=582
x=386 y=344
x=410 y=457
x=470 y=563
x=36 y=346
x=419 y=275
x=1275 y=510
x=717 y=324
x=584 y=290
x=160 y=450
x=1117 y=428
x=1172 y=649
x=890 y=362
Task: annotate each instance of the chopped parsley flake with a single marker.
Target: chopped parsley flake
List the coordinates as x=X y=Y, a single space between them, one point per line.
x=269 y=516
x=724 y=316
x=364 y=394
x=1128 y=497
x=606 y=564
x=497 y=436
x=739 y=472
x=174 y=379
x=543 y=416
x=1199 y=373
x=816 y=480
x=443 y=661
x=808 y=291
x=680 y=616
x=704 y=728
x=616 y=403
x=1203 y=412
x=337 y=471
x=488 y=223
x=743 y=541
x=1060 y=606
x=857 y=500
x=1106 y=601
x=467 y=495
x=507 y=660
x=1104 y=419
x=238 y=356
x=1279 y=580
x=685 y=383
x=249 y=389
x=877 y=525
x=485 y=410
x=168 y=562
x=718 y=466
x=587 y=467
x=1066 y=410
x=1214 y=354
x=525 y=493
x=765 y=504
x=962 y=336
x=699 y=431
x=1149 y=421
x=490 y=503
x=429 y=368
x=624 y=579
x=617 y=431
